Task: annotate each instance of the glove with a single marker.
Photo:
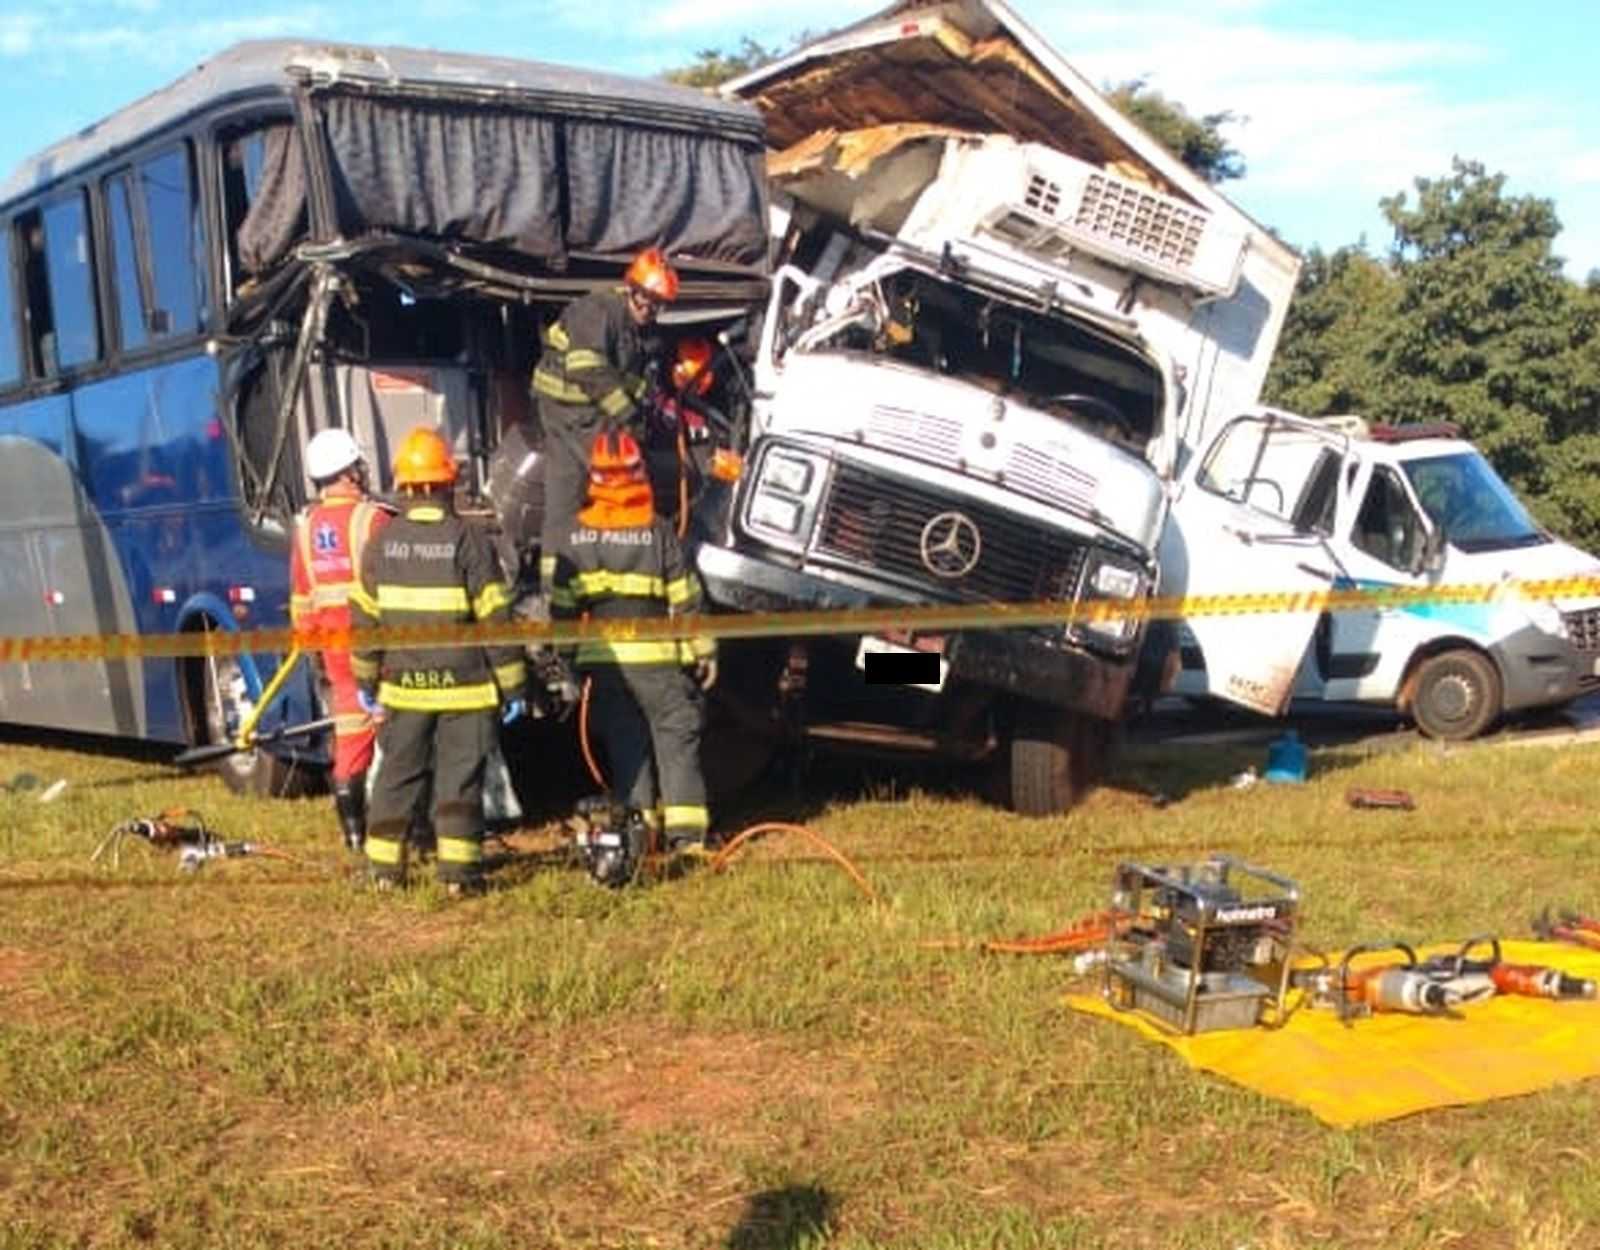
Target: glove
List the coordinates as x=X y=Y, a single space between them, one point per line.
x=369 y=703
x=513 y=710
x=705 y=673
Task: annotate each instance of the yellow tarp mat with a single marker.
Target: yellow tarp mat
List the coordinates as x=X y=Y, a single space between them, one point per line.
x=1386 y=1066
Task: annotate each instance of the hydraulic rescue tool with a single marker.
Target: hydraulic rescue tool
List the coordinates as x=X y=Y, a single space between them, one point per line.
x=246 y=738
x=612 y=839
x=179 y=829
x=1201 y=947
x=1573 y=928
x=1435 y=986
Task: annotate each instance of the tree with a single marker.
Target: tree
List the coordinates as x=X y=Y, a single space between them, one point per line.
x=1196 y=141
x=1330 y=355
x=1470 y=319
x=712 y=67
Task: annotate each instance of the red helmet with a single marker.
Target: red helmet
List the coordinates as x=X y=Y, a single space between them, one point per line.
x=653 y=273
x=615 y=460
x=424 y=459
x=691 y=371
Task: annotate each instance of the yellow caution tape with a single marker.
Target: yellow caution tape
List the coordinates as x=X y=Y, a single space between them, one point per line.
x=928 y=618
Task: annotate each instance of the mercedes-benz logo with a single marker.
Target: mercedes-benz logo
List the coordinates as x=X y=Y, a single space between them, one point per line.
x=951 y=545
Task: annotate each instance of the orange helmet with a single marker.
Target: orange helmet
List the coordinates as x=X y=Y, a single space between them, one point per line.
x=615 y=460
x=424 y=459
x=652 y=272
x=691 y=371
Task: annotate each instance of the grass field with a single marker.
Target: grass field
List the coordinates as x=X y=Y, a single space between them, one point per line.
x=261 y=1054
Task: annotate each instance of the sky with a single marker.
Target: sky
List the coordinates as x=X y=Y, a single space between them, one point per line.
x=1338 y=104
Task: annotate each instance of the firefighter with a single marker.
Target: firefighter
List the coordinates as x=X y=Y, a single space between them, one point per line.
x=621 y=561
x=330 y=535
x=431 y=568
x=589 y=380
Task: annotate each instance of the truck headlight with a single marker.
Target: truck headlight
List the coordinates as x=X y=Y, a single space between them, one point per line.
x=786 y=474
x=784 y=495
x=771 y=512
x=1113 y=583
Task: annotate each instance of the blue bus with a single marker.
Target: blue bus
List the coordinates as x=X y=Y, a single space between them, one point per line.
x=291 y=236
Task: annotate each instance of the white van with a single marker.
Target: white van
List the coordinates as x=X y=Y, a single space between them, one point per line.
x=1279 y=505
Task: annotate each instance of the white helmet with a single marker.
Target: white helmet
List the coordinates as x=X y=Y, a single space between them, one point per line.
x=330 y=453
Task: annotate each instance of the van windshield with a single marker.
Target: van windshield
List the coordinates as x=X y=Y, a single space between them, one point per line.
x=1472 y=505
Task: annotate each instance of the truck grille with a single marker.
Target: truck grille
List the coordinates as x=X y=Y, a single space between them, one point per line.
x=1050 y=478
x=1583 y=628
x=876 y=522
x=919 y=434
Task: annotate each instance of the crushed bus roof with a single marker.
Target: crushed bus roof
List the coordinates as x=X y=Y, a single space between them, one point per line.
x=271 y=68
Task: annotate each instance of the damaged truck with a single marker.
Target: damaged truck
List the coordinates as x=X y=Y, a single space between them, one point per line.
x=997 y=308
x=966 y=311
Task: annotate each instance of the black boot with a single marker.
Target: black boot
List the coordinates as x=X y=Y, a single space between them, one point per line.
x=350 y=798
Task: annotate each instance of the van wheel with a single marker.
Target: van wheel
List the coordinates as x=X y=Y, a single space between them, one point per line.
x=1457 y=695
x=1055 y=758
x=255 y=772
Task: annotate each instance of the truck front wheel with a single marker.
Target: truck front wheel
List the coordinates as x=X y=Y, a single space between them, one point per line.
x=1055 y=758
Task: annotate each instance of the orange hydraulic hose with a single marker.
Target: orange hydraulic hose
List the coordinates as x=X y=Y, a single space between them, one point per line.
x=683 y=477
x=721 y=859
x=583 y=735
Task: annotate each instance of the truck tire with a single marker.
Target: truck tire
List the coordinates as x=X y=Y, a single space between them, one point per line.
x=1055 y=758
x=1457 y=695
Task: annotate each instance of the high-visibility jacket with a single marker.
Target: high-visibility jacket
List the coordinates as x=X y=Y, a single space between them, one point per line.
x=330 y=536
x=593 y=358
x=627 y=572
x=429 y=568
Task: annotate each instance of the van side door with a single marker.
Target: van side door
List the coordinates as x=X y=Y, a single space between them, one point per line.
x=1250 y=524
x=1383 y=540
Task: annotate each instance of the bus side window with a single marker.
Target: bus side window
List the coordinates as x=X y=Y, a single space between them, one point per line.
x=176 y=242
x=70 y=277
x=10 y=355
x=133 y=332
x=38 y=324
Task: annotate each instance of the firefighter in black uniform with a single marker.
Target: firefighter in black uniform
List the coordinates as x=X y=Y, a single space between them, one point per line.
x=622 y=561
x=589 y=380
x=431 y=567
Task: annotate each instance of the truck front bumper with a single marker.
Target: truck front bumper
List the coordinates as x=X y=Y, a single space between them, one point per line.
x=1018 y=661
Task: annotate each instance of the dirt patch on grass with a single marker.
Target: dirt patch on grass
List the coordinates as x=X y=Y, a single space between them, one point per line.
x=15 y=967
x=21 y=975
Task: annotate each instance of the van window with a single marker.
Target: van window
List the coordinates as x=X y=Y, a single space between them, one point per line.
x=125 y=265
x=70 y=276
x=1270 y=467
x=1388 y=527
x=1315 y=511
x=10 y=356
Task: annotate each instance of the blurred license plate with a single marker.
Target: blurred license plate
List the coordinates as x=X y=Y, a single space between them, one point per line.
x=893 y=663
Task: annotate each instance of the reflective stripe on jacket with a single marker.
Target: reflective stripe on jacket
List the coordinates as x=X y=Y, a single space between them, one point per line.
x=431 y=567
x=593 y=357
x=330 y=537
x=629 y=573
